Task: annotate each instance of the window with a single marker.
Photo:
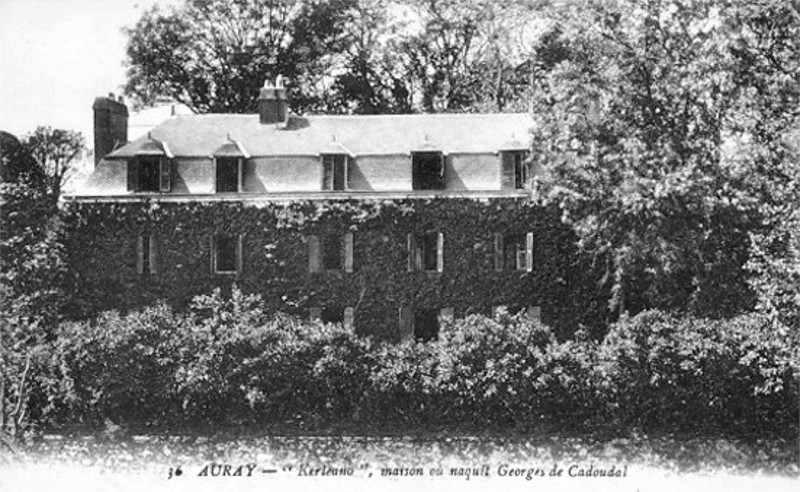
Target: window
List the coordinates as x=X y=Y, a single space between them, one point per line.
x=149 y=174
x=514 y=252
x=334 y=172
x=426 y=325
x=423 y=324
x=427 y=171
x=229 y=174
x=226 y=254
x=146 y=255
x=514 y=169
x=331 y=252
x=332 y=314
x=426 y=252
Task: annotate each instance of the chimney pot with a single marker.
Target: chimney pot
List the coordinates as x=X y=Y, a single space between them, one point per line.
x=273 y=103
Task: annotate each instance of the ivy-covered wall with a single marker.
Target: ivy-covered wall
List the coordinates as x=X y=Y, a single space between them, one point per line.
x=103 y=254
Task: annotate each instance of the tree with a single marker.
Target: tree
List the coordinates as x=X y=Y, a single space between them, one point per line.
x=459 y=55
x=214 y=55
x=56 y=151
x=642 y=111
x=31 y=270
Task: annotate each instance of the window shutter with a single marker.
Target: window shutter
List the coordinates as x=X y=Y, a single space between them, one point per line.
x=440 y=252
x=348 y=252
x=212 y=249
x=314 y=263
x=447 y=313
x=327 y=172
x=153 y=254
x=240 y=174
x=406 y=323
x=133 y=175
x=507 y=170
x=347 y=164
x=140 y=255
x=239 y=254
x=529 y=252
x=412 y=253
x=315 y=313
x=498 y=252
x=166 y=174
x=348 y=317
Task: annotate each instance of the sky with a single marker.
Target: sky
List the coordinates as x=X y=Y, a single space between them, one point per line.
x=56 y=56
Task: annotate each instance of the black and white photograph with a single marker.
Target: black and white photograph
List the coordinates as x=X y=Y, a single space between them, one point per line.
x=375 y=245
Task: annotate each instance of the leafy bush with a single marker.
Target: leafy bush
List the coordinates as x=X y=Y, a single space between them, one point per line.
x=227 y=362
x=690 y=374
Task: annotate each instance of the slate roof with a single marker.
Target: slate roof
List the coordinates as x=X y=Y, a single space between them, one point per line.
x=203 y=135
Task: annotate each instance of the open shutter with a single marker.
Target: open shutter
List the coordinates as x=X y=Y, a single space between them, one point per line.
x=347 y=164
x=327 y=172
x=412 y=253
x=314 y=260
x=507 y=170
x=529 y=252
x=153 y=255
x=447 y=313
x=239 y=254
x=133 y=175
x=140 y=255
x=166 y=174
x=498 y=252
x=240 y=174
x=348 y=252
x=406 y=324
x=315 y=313
x=348 y=317
x=440 y=252
x=212 y=253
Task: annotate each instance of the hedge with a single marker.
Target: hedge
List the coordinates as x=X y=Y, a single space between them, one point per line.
x=228 y=362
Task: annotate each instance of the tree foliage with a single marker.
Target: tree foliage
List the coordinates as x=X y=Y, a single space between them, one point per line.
x=56 y=151
x=661 y=126
x=214 y=55
x=362 y=56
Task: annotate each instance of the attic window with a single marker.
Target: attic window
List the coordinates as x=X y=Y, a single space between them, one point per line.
x=514 y=169
x=334 y=172
x=229 y=174
x=149 y=174
x=427 y=171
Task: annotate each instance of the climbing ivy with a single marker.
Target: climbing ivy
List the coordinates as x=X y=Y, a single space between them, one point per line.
x=103 y=242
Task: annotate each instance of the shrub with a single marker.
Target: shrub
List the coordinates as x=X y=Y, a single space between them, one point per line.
x=712 y=376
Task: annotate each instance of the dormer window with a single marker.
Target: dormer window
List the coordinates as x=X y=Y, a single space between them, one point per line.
x=514 y=169
x=229 y=174
x=427 y=171
x=229 y=161
x=150 y=171
x=149 y=174
x=334 y=172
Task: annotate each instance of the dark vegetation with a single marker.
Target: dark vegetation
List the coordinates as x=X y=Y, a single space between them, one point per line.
x=227 y=362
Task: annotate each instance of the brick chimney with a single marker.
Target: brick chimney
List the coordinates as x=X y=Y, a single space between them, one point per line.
x=110 y=125
x=273 y=103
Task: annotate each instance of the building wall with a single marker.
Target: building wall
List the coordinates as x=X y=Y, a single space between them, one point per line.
x=282 y=174
x=275 y=258
x=464 y=172
x=380 y=173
